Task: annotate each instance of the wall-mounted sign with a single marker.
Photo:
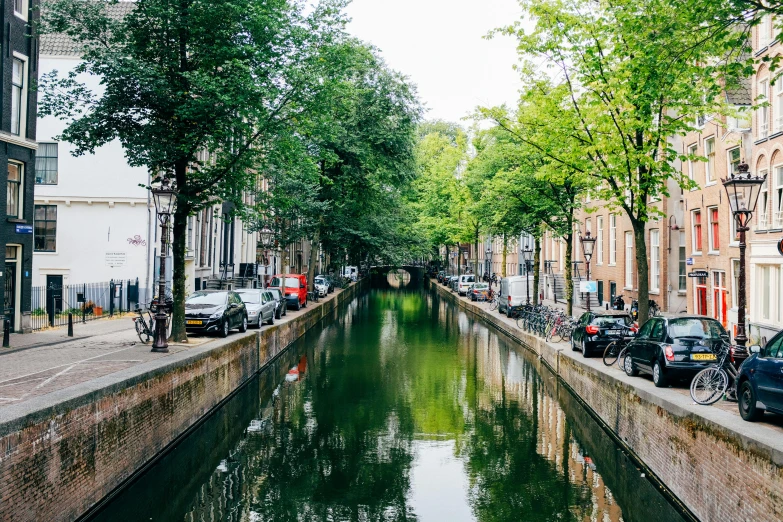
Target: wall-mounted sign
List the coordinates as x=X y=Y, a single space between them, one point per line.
x=24 y=229
x=699 y=273
x=588 y=287
x=116 y=259
x=689 y=261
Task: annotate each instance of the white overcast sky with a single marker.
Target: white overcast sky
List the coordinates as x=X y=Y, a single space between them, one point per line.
x=438 y=44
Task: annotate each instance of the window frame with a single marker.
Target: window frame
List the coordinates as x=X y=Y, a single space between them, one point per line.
x=599 y=240
x=682 y=250
x=692 y=151
x=21 y=113
x=19 y=191
x=38 y=156
x=696 y=232
x=655 y=260
x=763 y=215
x=713 y=232
x=613 y=240
x=46 y=220
x=24 y=10
x=731 y=165
x=762 y=113
x=628 y=282
x=709 y=167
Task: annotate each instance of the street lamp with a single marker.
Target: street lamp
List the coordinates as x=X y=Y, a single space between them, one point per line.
x=527 y=256
x=164 y=197
x=488 y=261
x=266 y=236
x=588 y=244
x=743 y=192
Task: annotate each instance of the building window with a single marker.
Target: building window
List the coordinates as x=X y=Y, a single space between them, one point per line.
x=692 y=162
x=17 y=96
x=777 y=217
x=696 y=220
x=714 y=233
x=709 y=168
x=700 y=295
x=720 y=297
x=20 y=8
x=763 y=204
x=683 y=276
x=612 y=240
x=46 y=164
x=735 y=280
x=655 y=261
x=762 y=113
x=778 y=103
x=599 y=243
x=14 y=190
x=45 y=228
x=765 y=291
x=628 y=260
x=764 y=30
x=734 y=160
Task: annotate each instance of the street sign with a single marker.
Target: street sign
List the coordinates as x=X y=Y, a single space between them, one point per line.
x=689 y=261
x=588 y=287
x=699 y=273
x=24 y=229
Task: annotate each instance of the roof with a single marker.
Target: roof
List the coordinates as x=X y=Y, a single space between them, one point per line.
x=607 y=313
x=58 y=44
x=740 y=94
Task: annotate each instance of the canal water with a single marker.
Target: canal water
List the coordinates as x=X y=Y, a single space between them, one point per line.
x=402 y=408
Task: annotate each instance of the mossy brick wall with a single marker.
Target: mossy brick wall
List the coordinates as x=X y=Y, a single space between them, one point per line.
x=719 y=474
x=61 y=459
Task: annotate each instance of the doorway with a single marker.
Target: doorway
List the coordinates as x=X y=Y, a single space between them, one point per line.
x=12 y=284
x=54 y=296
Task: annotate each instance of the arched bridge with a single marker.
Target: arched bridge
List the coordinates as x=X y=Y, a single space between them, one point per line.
x=380 y=274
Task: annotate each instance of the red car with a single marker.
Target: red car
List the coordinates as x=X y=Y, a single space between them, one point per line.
x=294 y=286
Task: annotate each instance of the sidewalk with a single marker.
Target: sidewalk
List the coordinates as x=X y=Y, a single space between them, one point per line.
x=48 y=361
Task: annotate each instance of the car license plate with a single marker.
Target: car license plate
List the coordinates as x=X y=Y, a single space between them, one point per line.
x=198 y=323
x=703 y=356
x=612 y=332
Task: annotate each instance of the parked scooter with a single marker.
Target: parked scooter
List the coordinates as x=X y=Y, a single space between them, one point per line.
x=653 y=307
x=618 y=303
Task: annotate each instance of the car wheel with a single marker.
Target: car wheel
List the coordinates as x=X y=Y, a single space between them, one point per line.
x=224 y=329
x=747 y=403
x=585 y=353
x=243 y=327
x=298 y=305
x=278 y=313
x=659 y=379
x=630 y=371
x=573 y=344
x=271 y=320
x=305 y=304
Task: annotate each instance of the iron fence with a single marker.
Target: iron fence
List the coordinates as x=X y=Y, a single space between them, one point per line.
x=88 y=301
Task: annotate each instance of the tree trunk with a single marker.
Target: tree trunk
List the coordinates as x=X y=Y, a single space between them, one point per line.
x=536 y=269
x=476 y=253
x=569 y=274
x=643 y=271
x=313 y=258
x=180 y=226
x=505 y=253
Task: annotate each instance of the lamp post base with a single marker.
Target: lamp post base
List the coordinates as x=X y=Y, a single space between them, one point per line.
x=161 y=344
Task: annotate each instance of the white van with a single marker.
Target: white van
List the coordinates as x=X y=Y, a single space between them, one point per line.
x=513 y=293
x=464 y=283
x=350 y=272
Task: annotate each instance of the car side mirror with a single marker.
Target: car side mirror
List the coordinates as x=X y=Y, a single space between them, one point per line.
x=302 y=286
x=755 y=349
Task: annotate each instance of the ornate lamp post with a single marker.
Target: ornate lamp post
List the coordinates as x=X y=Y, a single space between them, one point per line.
x=588 y=244
x=164 y=197
x=488 y=261
x=266 y=236
x=743 y=192
x=527 y=256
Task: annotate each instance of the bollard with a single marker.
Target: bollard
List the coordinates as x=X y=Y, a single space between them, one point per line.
x=607 y=306
x=7 y=333
x=70 y=324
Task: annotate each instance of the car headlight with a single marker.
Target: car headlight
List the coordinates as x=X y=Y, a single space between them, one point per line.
x=217 y=314
x=251 y=312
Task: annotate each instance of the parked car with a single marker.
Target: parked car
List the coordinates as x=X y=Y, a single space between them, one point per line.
x=260 y=306
x=760 y=381
x=675 y=348
x=321 y=286
x=441 y=275
x=514 y=294
x=464 y=283
x=281 y=307
x=446 y=280
x=595 y=330
x=295 y=288
x=215 y=311
x=329 y=281
x=453 y=282
x=479 y=292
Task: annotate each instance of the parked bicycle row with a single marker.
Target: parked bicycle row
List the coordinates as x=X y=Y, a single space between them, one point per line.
x=688 y=350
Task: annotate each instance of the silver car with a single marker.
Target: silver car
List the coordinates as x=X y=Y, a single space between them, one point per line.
x=260 y=306
x=321 y=286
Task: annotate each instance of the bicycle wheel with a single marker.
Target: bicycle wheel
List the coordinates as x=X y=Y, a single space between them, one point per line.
x=612 y=353
x=142 y=331
x=709 y=385
x=493 y=305
x=621 y=357
x=521 y=322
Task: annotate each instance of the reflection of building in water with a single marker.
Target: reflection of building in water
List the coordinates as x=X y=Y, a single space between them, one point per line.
x=508 y=376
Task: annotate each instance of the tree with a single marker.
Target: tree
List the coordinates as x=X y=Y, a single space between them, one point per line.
x=181 y=78
x=636 y=74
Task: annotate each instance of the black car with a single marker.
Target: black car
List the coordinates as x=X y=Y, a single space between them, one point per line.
x=215 y=312
x=595 y=330
x=760 y=381
x=675 y=348
x=281 y=308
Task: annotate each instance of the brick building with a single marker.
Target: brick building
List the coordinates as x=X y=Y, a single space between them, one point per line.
x=17 y=133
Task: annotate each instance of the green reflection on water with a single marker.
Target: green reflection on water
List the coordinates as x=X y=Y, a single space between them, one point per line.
x=403 y=409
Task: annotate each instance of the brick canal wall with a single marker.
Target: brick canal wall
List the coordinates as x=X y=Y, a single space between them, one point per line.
x=719 y=470
x=64 y=452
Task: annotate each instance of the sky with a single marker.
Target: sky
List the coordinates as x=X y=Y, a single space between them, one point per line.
x=438 y=44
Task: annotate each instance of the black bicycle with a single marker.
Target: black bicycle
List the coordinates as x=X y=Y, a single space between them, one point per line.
x=616 y=350
x=709 y=385
x=145 y=326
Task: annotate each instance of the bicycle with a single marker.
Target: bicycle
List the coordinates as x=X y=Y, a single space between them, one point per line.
x=709 y=385
x=494 y=302
x=145 y=328
x=616 y=350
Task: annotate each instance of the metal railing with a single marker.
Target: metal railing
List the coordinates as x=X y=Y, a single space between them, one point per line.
x=52 y=304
